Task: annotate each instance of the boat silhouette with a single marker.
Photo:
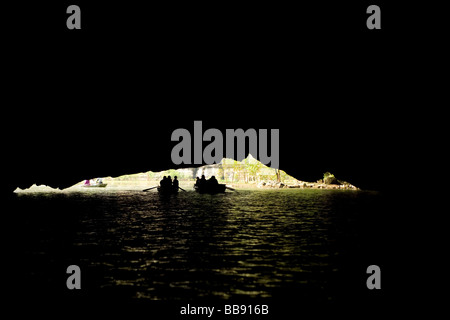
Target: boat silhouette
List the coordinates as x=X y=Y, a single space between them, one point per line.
x=210 y=188
x=166 y=190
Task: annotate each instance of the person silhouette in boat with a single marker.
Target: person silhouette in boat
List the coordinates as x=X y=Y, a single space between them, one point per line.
x=163 y=182
x=212 y=182
x=202 y=181
x=175 y=183
x=169 y=181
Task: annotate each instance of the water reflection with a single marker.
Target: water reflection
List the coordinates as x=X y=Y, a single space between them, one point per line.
x=246 y=244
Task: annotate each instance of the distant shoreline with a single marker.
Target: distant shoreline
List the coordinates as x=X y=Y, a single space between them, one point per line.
x=246 y=174
x=137 y=185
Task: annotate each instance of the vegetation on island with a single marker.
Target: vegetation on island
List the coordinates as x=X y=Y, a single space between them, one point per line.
x=248 y=172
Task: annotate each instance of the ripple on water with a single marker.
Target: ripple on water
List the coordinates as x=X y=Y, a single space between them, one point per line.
x=246 y=243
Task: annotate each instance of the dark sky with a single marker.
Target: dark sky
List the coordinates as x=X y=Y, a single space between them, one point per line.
x=134 y=73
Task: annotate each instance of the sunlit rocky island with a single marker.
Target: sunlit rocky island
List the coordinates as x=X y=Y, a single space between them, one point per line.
x=246 y=174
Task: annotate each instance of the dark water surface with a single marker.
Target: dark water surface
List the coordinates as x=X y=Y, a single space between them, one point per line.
x=302 y=246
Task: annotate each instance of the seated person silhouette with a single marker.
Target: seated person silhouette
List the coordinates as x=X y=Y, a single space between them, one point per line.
x=163 y=183
x=213 y=181
x=202 y=181
x=175 y=182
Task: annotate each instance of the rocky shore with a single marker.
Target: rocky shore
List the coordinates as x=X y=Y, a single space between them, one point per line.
x=306 y=185
x=246 y=174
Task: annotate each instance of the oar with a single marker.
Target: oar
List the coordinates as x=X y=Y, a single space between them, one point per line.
x=182 y=189
x=150 y=188
x=230 y=188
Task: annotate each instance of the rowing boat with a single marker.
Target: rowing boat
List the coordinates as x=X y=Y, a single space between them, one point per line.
x=167 y=190
x=211 y=189
x=96 y=185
